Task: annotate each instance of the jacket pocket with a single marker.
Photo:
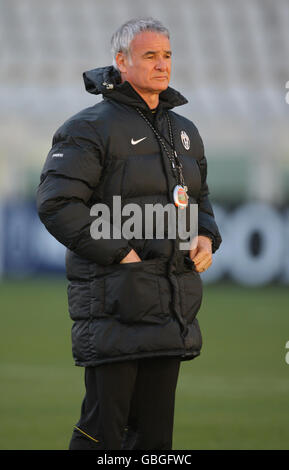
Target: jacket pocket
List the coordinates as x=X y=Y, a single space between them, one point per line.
x=191 y=294
x=85 y=299
x=78 y=300
x=132 y=292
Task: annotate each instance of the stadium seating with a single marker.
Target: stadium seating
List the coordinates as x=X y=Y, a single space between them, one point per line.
x=230 y=61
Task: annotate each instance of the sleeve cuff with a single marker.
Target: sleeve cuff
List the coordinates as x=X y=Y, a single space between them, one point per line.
x=206 y=233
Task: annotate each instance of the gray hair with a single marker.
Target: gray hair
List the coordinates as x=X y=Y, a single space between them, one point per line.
x=121 y=39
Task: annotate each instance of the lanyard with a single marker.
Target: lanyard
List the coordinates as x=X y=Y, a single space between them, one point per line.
x=172 y=156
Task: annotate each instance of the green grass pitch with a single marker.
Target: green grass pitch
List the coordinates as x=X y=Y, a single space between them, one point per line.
x=235 y=395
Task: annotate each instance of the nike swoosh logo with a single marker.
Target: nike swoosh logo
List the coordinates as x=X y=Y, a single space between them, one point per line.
x=134 y=142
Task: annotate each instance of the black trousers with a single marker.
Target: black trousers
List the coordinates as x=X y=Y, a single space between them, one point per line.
x=128 y=405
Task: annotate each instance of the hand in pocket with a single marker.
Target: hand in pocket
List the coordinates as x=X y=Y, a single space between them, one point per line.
x=131 y=257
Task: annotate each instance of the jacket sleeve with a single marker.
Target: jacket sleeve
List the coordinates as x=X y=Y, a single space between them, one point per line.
x=70 y=175
x=206 y=218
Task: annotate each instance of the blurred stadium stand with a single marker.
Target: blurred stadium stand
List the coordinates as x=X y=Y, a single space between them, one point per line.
x=230 y=59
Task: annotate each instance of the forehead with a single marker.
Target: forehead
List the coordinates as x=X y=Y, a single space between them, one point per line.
x=150 y=41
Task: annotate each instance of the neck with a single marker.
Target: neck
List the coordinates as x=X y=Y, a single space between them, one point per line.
x=151 y=98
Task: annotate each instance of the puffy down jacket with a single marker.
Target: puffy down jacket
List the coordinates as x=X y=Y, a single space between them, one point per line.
x=133 y=310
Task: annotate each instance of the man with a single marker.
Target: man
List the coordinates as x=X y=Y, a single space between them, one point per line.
x=133 y=301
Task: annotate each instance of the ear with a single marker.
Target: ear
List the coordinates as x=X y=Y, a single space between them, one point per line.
x=121 y=60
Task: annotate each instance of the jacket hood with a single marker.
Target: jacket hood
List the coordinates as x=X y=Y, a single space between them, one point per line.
x=107 y=81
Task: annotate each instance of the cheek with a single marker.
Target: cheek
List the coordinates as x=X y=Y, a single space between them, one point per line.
x=132 y=76
x=138 y=74
x=145 y=74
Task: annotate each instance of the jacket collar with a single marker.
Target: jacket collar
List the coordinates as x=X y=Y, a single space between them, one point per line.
x=107 y=81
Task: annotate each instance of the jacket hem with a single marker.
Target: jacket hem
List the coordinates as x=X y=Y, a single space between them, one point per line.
x=184 y=356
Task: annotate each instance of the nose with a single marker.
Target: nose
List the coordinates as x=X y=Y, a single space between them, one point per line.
x=161 y=64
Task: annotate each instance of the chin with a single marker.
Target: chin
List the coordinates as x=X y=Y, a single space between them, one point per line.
x=164 y=87
x=161 y=86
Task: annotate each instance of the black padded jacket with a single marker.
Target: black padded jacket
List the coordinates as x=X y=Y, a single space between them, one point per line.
x=125 y=311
